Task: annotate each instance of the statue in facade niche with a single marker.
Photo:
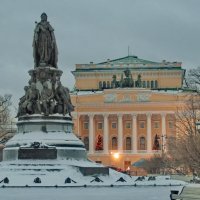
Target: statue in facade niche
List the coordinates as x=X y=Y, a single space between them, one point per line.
x=139 y=81
x=47 y=100
x=45 y=51
x=63 y=99
x=114 y=83
x=33 y=100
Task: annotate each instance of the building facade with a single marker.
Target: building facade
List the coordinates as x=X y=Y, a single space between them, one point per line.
x=125 y=108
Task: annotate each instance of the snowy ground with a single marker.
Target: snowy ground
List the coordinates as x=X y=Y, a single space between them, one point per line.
x=54 y=173
x=89 y=193
x=21 y=185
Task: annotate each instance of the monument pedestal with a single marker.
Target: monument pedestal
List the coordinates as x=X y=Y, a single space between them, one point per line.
x=44 y=137
x=45 y=148
x=45 y=151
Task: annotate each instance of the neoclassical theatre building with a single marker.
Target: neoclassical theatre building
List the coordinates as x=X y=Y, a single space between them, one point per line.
x=125 y=108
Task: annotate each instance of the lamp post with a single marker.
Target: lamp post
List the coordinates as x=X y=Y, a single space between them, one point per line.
x=163 y=140
x=114 y=157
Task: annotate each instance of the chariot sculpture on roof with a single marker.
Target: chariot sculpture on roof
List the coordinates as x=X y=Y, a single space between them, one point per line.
x=127 y=81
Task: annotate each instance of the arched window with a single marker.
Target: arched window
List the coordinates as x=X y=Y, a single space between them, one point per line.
x=100 y=85
x=156 y=84
x=114 y=143
x=128 y=143
x=135 y=83
x=142 y=143
x=156 y=143
x=104 y=84
x=108 y=84
x=148 y=84
x=86 y=142
x=152 y=84
x=144 y=84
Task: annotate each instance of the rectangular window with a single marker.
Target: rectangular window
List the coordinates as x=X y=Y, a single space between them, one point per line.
x=114 y=125
x=128 y=125
x=100 y=125
x=171 y=125
x=141 y=124
x=156 y=124
x=85 y=125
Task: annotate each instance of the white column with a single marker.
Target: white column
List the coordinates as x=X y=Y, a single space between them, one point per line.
x=91 y=133
x=134 y=133
x=149 y=142
x=120 y=133
x=105 y=134
x=163 y=147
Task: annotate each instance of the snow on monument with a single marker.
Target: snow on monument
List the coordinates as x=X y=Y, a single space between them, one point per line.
x=45 y=143
x=44 y=151
x=44 y=114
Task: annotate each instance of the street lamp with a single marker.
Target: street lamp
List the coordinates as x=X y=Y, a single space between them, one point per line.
x=116 y=155
x=163 y=138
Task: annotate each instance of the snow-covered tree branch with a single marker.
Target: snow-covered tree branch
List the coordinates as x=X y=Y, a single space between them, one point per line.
x=5 y=103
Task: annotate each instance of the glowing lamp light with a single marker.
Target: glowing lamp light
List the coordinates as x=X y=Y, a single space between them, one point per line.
x=116 y=155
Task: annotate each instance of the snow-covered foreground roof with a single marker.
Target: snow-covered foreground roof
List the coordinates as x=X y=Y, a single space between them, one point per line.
x=54 y=173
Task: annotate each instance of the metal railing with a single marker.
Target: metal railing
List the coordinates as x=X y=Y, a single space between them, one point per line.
x=128 y=152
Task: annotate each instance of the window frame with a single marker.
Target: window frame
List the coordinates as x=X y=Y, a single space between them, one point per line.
x=100 y=128
x=84 y=125
x=115 y=125
x=128 y=122
x=156 y=122
x=141 y=144
x=140 y=123
x=112 y=143
x=128 y=149
x=170 y=124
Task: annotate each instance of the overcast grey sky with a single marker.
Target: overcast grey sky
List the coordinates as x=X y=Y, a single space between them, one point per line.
x=95 y=30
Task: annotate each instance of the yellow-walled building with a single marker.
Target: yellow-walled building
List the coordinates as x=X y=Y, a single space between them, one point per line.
x=125 y=108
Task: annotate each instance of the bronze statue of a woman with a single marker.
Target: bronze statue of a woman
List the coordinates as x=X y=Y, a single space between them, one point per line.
x=45 y=51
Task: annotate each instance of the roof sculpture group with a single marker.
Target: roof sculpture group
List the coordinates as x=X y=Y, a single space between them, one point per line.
x=45 y=94
x=126 y=81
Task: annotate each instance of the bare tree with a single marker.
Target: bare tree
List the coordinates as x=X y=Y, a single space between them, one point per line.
x=193 y=79
x=153 y=165
x=163 y=164
x=183 y=152
x=5 y=120
x=185 y=147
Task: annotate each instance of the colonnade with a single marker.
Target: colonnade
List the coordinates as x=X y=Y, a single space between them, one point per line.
x=134 y=131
